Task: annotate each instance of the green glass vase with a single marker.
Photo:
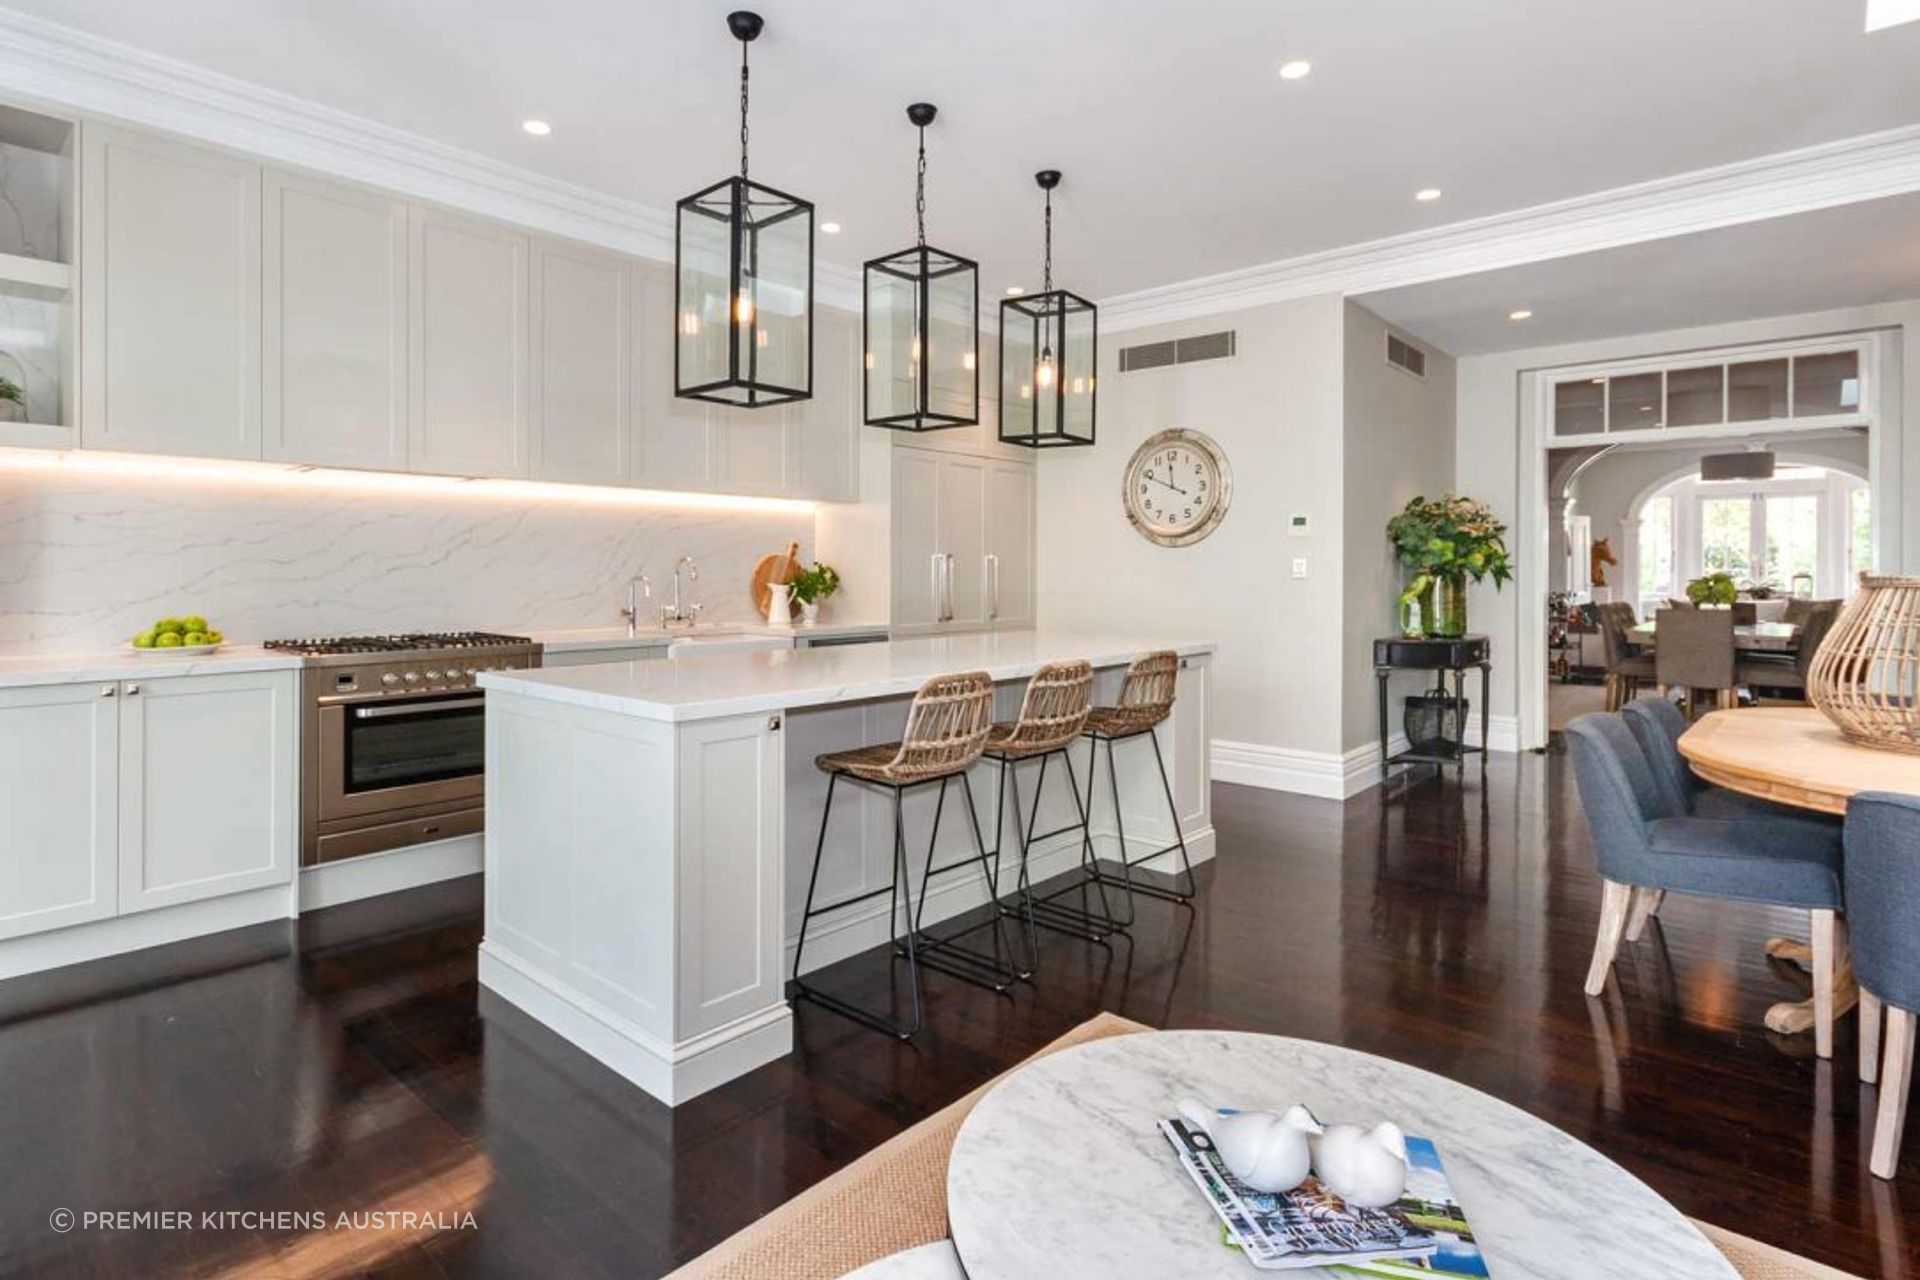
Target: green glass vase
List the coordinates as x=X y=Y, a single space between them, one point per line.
x=1446 y=613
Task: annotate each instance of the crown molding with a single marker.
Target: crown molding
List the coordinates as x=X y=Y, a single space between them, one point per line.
x=67 y=70
x=1854 y=169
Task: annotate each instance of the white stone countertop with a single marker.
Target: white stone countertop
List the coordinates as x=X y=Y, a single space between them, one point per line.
x=18 y=670
x=712 y=686
x=650 y=637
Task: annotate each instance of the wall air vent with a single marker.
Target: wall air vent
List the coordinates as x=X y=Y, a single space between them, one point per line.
x=1754 y=465
x=1403 y=355
x=1158 y=355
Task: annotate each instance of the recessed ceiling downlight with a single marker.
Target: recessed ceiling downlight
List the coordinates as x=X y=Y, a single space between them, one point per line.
x=538 y=128
x=1014 y=290
x=1426 y=194
x=830 y=228
x=1297 y=69
x=1521 y=314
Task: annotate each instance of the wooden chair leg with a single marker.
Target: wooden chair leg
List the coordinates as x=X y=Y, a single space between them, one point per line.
x=1824 y=946
x=1729 y=699
x=1612 y=702
x=1606 y=945
x=1646 y=905
x=1869 y=1036
x=1896 y=1075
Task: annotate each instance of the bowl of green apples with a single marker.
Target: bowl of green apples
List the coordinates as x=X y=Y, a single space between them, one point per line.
x=178 y=637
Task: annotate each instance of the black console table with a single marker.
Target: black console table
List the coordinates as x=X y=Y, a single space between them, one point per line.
x=1458 y=656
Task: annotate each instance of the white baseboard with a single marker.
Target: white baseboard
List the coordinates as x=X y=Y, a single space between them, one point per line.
x=1327 y=774
x=672 y=1073
x=101 y=938
x=332 y=883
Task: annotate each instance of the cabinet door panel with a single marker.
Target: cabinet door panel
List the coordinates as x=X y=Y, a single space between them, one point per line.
x=915 y=514
x=336 y=324
x=207 y=794
x=58 y=788
x=673 y=438
x=827 y=464
x=756 y=446
x=579 y=366
x=1009 y=540
x=963 y=538
x=467 y=350
x=170 y=297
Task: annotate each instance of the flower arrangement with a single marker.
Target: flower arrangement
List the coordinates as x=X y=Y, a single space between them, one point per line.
x=1446 y=542
x=1712 y=589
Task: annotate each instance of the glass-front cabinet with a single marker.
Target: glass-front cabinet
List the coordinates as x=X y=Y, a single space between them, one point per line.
x=1801 y=384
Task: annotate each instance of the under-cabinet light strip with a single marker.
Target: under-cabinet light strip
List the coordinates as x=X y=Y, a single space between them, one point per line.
x=280 y=475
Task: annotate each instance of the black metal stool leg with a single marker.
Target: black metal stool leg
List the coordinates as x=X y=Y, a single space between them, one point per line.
x=1047 y=913
x=1022 y=887
x=1179 y=836
x=944 y=952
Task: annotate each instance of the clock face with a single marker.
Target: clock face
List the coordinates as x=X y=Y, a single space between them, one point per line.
x=1177 y=487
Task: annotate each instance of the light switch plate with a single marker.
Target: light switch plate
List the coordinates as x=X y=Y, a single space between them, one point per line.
x=1300 y=566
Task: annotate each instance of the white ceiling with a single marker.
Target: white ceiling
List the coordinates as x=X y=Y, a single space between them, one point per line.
x=1184 y=153
x=1854 y=255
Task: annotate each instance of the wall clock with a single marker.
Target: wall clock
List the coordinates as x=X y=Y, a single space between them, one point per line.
x=1177 y=487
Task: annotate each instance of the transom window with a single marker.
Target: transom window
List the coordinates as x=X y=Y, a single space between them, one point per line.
x=1801 y=385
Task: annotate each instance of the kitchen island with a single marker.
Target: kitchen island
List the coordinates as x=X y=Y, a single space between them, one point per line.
x=650 y=828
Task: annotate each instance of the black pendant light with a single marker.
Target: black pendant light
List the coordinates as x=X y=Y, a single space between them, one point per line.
x=921 y=331
x=743 y=282
x=1049 y=344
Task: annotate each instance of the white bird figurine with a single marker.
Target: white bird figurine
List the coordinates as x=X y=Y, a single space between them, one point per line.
x=1365 y=1167
x=1268 y=1152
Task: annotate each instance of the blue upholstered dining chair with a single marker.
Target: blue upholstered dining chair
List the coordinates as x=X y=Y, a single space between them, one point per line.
x=1646 y=844
x=1657 y=724
x=1883 y=886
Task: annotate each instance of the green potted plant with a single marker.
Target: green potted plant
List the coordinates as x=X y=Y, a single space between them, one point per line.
x=13 y=401
x=1712 y=590
x=810 y=586
x=1446 y=542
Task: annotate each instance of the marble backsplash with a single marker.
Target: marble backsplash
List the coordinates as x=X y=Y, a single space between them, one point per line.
x=87 y=558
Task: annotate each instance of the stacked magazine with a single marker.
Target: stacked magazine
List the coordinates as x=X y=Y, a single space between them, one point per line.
x=1421 y=1236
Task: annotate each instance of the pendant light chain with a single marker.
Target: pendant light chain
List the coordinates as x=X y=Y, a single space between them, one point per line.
x=1046 y=279
x=743 y=108
x=920 y=190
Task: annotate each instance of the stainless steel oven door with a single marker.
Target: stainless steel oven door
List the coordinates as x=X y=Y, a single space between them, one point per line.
x=382 y=754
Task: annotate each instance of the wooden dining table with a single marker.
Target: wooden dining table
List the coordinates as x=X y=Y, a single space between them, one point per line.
x=1759 y=637
x=1796 y=756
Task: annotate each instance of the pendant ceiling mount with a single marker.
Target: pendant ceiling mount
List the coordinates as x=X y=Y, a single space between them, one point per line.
x=920 y=331
x=1049 y=347
x=743 y=281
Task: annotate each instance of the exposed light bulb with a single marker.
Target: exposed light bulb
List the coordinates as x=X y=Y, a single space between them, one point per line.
x=743 y=308
x=1043 y=373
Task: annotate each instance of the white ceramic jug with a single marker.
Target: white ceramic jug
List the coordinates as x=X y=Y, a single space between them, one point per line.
x=1268 y=1152
x=779 y=605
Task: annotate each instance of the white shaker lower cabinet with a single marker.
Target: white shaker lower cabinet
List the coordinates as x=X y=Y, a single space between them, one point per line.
x=581 y=357
x=467 y=348
x=335 y=341
x=208 y=790
x=962 y=524
x=170 y=296
x=120 y=798
x=59 y=794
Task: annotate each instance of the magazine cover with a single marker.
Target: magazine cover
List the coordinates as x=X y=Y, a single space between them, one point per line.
x=1306 y=1227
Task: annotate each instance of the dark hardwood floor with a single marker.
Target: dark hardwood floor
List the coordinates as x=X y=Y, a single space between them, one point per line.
x=349 y=1063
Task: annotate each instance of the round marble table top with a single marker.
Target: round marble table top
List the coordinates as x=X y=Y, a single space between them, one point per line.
x=934 y=1261
x=1062 y=1169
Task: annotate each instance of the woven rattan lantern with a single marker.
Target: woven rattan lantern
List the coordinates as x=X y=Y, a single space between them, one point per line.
x=1866 y=677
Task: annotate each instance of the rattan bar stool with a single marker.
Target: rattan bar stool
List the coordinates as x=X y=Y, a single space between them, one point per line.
x=946 y=731
x=1053 y=715
x=1146 y=700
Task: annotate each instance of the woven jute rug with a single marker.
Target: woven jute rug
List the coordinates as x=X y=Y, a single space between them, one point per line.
x=895 y=1197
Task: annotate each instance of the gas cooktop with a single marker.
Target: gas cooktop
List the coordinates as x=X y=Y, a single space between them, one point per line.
x=409 y=642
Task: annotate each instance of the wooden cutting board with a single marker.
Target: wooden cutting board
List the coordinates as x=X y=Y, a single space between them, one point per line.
x=776 y=566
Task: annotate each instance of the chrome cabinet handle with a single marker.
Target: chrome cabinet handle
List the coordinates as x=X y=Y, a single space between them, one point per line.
x=990 y=569
x=949 y=558
x=939 y=606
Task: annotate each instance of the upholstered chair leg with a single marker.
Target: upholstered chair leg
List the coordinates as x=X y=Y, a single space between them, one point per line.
x=1825 y=943
x=1869 y=1036
x=1613 y=921
x=1646 y=905
x=1896 y=1075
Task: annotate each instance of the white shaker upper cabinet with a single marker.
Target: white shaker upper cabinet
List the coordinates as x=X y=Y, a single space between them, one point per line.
x=827 y=465
x=1008 y=567
x=170 y=297
x=673 y=439
x=758 y=448
x=336 y=324
x=467 y=313
x=209 y=791
x=919 y=568
x=58 y=796
x=580 y=365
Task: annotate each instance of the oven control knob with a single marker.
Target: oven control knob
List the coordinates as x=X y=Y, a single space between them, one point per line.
x=472 y=672
x=412 y=677
x=389 y=679
x=432 y=675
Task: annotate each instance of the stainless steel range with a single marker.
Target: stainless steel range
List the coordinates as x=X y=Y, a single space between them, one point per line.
x=393 y=737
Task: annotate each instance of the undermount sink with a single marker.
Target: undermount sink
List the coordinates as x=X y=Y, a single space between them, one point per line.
x=710 y=644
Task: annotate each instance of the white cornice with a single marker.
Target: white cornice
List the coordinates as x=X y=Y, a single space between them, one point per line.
x=67 y=69
x=62 y=68
x=1836 y=173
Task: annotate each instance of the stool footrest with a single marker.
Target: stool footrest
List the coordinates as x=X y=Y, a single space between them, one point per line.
x=866 y=1018
x=949 y=957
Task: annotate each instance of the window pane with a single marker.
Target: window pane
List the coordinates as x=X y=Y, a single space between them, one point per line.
x=1580 y=406
x=1793 y=538
x=1726 y=536
x=1693 y=396
x=1860 y=526
x=1756 y=390
x=1826 y=384
x=1655 y=552
x=1634 y=402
